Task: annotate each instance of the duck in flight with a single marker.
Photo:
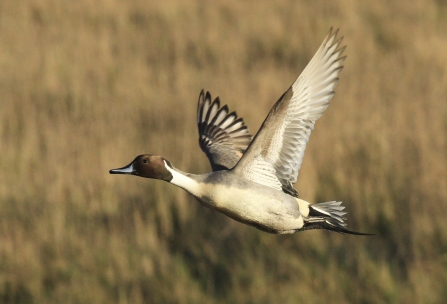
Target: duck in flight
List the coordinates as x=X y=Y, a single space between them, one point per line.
x=252 y=179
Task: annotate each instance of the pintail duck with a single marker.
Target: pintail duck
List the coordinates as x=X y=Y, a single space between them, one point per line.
x=252 y=180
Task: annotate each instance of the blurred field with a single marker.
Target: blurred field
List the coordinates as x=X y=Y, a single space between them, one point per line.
x=85 y=86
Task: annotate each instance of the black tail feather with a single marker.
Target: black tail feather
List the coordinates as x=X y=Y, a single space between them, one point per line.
x=327 y=224
x=328 y=216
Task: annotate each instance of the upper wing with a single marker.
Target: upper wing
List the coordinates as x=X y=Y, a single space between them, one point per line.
x=275 y=154
x=222 y=136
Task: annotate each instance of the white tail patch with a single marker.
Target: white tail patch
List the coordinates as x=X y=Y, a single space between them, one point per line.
x=303 y=207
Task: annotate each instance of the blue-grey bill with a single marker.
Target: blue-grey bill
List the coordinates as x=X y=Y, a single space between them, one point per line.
x=124 y=170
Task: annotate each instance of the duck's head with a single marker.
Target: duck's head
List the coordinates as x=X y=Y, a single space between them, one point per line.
x=146 y=165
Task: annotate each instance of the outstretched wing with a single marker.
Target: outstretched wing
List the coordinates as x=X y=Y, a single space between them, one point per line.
x=222 y=136
x=274 y=157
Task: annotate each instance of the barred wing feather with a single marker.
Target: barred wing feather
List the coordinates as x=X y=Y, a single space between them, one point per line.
x=222 y=136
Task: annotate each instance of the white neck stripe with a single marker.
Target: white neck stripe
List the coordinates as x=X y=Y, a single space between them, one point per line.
x=182 y=181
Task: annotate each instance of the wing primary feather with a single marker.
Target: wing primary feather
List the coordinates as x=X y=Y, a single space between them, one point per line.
x=228 y=120
x=200 y=106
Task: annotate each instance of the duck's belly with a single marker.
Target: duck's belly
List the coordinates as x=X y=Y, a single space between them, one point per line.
x=266 y=209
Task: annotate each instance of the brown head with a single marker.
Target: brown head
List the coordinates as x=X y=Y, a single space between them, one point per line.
x=146 y=165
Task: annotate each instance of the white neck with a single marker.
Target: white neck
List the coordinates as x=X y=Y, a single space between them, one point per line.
x=183 y=181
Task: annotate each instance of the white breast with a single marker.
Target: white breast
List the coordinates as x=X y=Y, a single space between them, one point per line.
x=248 y=202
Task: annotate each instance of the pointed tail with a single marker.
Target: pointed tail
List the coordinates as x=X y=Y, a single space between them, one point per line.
x=329 y=216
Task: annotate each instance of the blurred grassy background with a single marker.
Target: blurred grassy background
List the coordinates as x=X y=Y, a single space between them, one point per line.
x=85 y=86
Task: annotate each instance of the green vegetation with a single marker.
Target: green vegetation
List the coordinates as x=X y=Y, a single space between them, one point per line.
x=85 y=86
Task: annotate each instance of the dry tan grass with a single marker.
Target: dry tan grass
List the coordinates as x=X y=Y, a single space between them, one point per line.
x=87 y=85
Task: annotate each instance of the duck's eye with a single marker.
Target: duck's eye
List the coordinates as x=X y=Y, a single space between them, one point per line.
x=145 y=161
